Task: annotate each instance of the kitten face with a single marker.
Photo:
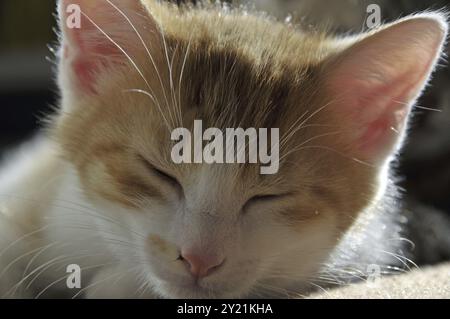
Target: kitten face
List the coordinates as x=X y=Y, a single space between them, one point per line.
x=134 y=72
x=264 y=226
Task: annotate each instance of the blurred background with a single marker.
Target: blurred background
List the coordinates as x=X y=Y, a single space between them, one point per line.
x=26 y=79
x=27 y=92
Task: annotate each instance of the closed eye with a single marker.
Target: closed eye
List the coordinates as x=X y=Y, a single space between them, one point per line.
x=169 y=179
x=262 y=199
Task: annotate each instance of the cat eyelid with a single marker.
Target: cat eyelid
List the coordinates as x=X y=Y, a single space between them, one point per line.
x=161 y=174
x=265 y=198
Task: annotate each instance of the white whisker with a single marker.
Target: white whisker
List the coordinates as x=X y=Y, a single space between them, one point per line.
x=151 y=59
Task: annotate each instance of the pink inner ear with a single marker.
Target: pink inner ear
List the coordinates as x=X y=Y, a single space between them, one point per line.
x=87 y=50
x=84 y=72
x=390 y=105
x=376 y=81
x=86 y=61
x=377 y=134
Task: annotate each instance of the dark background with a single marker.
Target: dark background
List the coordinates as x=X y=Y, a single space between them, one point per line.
x=26 y=79
x=27 y=93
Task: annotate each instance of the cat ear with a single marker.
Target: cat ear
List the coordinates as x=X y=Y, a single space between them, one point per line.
x=376 y=81
x=97 y=35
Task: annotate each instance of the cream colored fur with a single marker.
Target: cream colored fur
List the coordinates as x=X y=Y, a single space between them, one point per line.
x=427 y=283
x=88 y=193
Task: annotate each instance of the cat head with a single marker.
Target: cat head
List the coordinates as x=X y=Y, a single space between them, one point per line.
x=133 y=71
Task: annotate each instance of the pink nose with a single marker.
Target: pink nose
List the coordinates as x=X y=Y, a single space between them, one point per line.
x=202 y=266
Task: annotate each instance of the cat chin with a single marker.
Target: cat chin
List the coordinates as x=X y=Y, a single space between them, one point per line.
x=176 y=288
x=172 y=291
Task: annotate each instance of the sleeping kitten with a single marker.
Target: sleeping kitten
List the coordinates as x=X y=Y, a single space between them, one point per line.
x=102 y=193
